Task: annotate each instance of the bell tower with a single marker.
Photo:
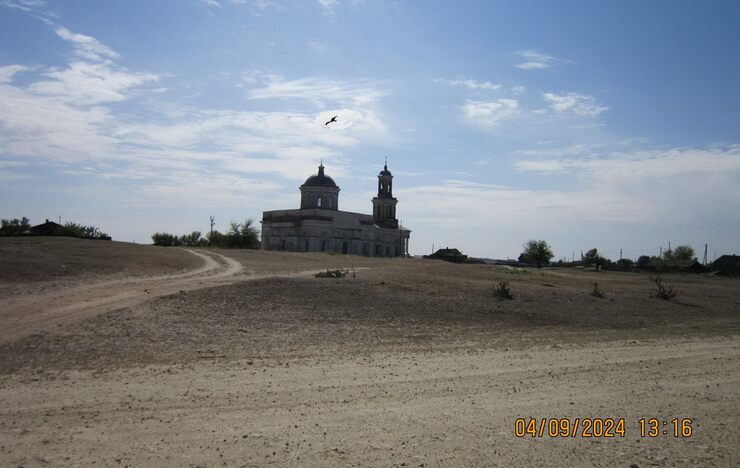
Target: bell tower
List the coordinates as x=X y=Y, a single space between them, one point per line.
x=384 y=204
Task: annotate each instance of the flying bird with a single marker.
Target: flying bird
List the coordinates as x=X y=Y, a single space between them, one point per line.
x=333 y=119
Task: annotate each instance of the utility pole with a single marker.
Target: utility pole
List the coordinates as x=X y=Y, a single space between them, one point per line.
x=213 y=223
x=705 y=253
x=661 y=253
x=620 y=253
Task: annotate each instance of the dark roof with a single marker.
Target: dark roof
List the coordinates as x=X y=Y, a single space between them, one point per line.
x=450 y=255
x=49 y=227
x=727 y=263
x=320 y=180
x=448 y=251
x=385 y=170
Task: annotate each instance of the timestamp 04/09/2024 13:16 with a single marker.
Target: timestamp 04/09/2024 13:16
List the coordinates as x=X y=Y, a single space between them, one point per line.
x=601 y=427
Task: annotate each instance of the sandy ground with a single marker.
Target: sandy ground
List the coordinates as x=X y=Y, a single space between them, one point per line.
x=236 y=358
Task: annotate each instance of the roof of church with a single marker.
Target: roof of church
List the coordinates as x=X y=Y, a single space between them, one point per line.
x=385 y=170
x=320 y=180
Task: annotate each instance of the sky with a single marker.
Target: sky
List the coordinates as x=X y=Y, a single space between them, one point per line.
x=611 y=124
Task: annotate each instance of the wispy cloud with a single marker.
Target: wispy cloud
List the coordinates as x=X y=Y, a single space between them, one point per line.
x=90 y=83
x=24 y=5
x=7 y=72
x=329 y=6
x=575 y=103
x=469 y=83
x=318 y=90
x=86 y=47
x=535 y=60
x=210 y=3
x=489 y=113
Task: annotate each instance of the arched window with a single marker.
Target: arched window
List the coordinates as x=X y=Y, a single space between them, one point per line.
x=318 y=201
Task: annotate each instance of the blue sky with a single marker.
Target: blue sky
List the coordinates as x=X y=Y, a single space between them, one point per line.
x=587 y=124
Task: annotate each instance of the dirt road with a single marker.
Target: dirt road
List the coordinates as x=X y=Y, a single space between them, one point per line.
x=416 y=409
x=32 y=313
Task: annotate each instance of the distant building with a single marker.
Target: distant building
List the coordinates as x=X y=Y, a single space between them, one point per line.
x=49 y=228
x=727 y=265
x=449 y=255
x=319 y=225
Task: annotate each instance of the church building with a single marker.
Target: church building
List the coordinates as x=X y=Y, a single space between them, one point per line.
x=319 y=225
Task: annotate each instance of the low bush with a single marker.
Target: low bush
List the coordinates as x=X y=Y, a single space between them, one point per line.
x=597 y=292
x=663 y=291
x=502 y=291
x=336 y=273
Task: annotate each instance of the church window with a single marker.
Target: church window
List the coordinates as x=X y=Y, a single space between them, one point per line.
x=318 y=202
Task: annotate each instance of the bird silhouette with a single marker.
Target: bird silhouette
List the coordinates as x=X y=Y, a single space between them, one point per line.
x=333 y=119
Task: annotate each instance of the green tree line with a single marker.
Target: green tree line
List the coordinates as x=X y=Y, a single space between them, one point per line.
x=239 y=236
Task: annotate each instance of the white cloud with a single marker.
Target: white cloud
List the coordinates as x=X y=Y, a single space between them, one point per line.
x=24 y=5
x=42 y=126
x=7 y=72
x=318 y=90
x=574 y=103
x=317 y=46
x=84 y=83
x=87 y=47
x=489 y=113
x=470 y=83
x=534 y=60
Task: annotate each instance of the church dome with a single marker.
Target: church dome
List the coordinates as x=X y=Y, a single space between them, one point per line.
x=320 y=180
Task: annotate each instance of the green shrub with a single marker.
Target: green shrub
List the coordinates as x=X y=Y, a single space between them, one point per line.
x=165 y=239
x=81 y=231
x=15 y=226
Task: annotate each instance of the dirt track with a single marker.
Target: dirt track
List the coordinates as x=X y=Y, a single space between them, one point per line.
x=246 y=359
x=28 y=314
x=449 y=409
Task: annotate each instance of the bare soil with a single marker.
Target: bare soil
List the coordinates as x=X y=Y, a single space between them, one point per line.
x=243 y=358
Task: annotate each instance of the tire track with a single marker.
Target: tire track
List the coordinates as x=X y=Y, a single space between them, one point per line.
x=32 y=314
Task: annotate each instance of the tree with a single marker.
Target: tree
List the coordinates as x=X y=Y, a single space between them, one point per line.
x=681 y=253
x=164 y=239
x=625 y=264
x=537 y=252
x=643 y=263
x=81 y=231
x=15 y=226
x=243 y=236
x=592 y=258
